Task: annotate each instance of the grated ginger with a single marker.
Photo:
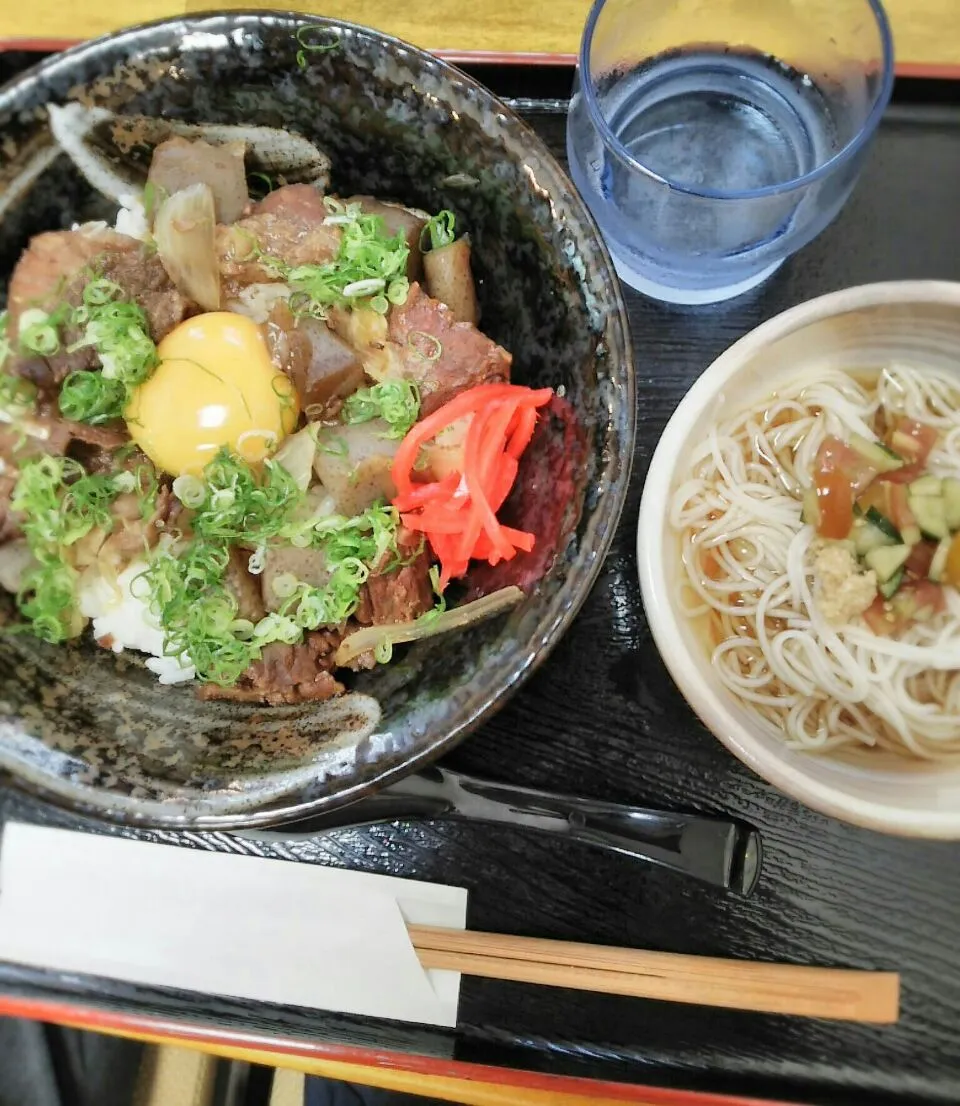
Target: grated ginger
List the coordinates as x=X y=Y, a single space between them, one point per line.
x=841 y=590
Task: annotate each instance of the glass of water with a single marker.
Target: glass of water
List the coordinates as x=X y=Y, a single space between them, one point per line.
x=713 y=138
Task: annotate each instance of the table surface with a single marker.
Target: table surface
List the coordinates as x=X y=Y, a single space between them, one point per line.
x=603 y=717
x=927 y=32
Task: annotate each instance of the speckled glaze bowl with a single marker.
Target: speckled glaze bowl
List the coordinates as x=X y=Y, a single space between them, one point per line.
x=96 y=732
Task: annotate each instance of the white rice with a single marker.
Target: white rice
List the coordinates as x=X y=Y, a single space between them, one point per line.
x=125 y=620
x=132 y=218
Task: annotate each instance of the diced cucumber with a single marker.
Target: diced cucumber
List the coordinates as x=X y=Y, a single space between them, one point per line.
x=866 y=536
x=930 y=514
x=951 y=501
x=810 y=512
x=883 y=524
x=892 y=586
x=925 y=486
x=888 y=561
x=911 y=535
x=882 y=458
x=939 y=562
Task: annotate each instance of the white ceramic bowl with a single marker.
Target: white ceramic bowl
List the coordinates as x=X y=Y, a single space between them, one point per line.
x=917 y=322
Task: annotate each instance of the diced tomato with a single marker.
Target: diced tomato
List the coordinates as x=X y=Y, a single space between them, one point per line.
x=835 y=500
x=906 y=475
x=916 y=601
x=840 y=475
x=880 y=618
x=913 y=440
x=926 y=599
x=920 y=559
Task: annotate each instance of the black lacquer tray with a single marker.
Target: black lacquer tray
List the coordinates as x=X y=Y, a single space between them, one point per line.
x=603 y=718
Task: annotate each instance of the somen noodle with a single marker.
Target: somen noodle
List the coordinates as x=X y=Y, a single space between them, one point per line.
x=749 y=571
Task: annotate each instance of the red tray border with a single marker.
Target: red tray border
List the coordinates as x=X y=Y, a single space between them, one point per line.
x=494 y=57
x=210 y=1036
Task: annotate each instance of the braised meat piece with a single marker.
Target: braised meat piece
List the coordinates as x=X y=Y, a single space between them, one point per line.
x=50 y=261
x=55 y=269
x=459 y=358
x=287 y=225
x=141 y=275
x=401 y=594
x=299 y=201
x=47 y=434
x=286 y=674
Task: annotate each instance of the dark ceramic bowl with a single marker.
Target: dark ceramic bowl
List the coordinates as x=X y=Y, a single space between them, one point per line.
x=97 y=732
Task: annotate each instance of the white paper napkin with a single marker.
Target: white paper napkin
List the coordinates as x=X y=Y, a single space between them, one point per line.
x=222 y=924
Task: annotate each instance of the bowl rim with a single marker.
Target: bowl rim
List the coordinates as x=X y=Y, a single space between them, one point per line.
x=614 y=466
x=711 y=704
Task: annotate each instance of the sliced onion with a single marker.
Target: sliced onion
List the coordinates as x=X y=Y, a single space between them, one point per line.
x=296 y=456
x=362 y=641
x=184 y=231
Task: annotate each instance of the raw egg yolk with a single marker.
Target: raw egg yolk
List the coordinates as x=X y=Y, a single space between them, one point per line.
x=215 y=386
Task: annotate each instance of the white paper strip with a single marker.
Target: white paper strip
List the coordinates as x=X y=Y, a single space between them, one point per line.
x=220 y=924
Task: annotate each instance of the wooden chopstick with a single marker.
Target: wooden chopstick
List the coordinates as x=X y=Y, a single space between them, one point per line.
x=811 y=992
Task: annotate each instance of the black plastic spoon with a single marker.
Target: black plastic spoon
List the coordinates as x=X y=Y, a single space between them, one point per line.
x=719 y=851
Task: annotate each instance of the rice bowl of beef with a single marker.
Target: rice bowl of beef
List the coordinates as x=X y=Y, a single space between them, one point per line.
x=374 y=614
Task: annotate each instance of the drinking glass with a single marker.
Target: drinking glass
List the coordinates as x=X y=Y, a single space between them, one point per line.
x=714 y=138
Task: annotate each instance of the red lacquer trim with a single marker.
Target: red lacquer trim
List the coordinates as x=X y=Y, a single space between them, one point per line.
x=44 y=45
x=928 y=71
x=110 y=1021
x=495 y=57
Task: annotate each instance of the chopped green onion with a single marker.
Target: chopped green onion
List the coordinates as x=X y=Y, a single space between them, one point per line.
x=116 y=329
x=307 y=47
x=235 y=504
x=17 y=396
x=264 y=183
x=427 y=347
x=60 y=503
x=153 y=197
x=368 y=262
x=397 y=291
x=441 y=604
x=284 y=585
x=397 y=402
x=38 y=332
x=439 y=231
x=91 y=397
x=364 y=287
x=242 y=505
